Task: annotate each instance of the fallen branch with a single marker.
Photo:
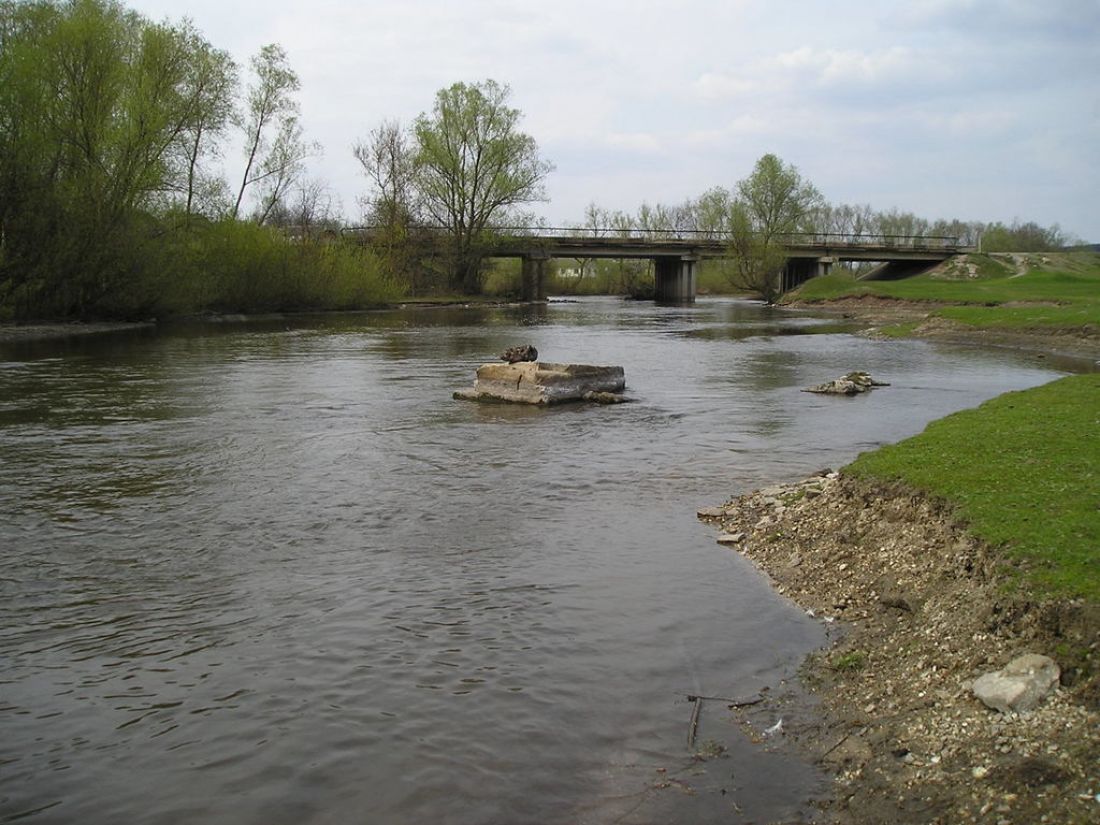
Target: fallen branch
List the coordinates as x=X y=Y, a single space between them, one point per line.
x=733 y=703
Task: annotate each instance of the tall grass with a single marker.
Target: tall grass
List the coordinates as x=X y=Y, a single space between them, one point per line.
x=232 y=266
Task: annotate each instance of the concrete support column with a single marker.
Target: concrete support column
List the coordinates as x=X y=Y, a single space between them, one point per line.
x=824 y=265
x=675 y=279
x=533 y=278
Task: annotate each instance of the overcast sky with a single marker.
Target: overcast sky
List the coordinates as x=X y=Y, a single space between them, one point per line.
x=976 y=109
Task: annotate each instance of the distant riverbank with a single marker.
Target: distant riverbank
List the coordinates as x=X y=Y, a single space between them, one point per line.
x=1047 y=303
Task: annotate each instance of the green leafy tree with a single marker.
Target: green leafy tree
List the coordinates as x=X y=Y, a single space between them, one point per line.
x=474 y=167
x=773 y=202
x=94 y=103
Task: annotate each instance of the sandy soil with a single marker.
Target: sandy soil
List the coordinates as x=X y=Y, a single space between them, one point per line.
x=924 y=611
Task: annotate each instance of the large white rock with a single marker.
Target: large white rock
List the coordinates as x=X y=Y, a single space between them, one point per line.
x=539 y=382
x=1018 y=686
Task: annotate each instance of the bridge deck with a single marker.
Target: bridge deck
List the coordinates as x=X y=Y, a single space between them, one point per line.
x=522 y=242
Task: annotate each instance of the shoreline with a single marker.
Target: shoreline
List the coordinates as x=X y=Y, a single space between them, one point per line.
x=59 y=330
x=924 y=611
x=11 y=332
x=877 y=312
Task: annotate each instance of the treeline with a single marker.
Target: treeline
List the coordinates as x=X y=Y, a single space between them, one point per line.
x=112 y=200
x=773 y=204
x=712 y=212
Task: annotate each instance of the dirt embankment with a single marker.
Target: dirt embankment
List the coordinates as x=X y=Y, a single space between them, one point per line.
x=926 y=611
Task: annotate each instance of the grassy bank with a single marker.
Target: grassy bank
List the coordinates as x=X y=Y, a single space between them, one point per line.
x=1045 y=292
x=1023 y=470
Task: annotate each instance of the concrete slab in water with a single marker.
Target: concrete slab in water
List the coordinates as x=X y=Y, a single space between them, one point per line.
x=539 y=382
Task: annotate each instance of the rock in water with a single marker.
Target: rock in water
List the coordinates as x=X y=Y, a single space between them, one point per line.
x=543 y=383
x=850 y=384
x=1018 y=686
x=516 y=355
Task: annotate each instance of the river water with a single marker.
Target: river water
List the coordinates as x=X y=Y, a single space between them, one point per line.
x=273 y=573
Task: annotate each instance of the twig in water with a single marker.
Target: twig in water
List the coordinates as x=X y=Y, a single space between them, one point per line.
x=733 y=703
x=693 y=725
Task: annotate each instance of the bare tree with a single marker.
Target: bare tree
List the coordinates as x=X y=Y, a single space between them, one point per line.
x=273 y=163
x=387 y=159
x=211 y=83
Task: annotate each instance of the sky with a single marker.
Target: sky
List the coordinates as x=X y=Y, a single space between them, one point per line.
x=973 y=109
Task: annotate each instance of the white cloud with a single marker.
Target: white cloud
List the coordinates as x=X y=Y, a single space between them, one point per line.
x=717 y=86
x=637 y=142
x=841 y=67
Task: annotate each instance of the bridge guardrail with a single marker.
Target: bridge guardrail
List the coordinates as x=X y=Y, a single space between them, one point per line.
x=818 y=239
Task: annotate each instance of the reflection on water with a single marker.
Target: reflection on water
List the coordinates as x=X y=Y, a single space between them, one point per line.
x=271 y=572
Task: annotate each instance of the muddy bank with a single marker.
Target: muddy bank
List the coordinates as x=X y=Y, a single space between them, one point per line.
x=924 y=609
x=47 y=331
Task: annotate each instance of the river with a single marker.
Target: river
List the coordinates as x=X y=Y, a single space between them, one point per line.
x=270 y=572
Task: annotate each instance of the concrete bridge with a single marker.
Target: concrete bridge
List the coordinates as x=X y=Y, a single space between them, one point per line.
x=676 y=254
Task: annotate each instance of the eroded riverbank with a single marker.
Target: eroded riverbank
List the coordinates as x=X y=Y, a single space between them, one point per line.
x=926 y=611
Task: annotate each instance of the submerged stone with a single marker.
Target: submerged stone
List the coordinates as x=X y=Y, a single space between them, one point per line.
x=541 y=382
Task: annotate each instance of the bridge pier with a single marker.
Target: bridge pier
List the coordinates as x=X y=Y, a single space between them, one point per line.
x=675 y=279
x=799 y=270
x=533 y=277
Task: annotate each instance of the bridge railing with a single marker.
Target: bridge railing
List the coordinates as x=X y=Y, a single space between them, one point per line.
x=825 y=240
x=723 y=236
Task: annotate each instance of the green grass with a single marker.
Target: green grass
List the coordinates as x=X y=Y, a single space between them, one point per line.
x=850 y=662
x=1059 y=291
x=1073 y=316
x=1023 y=472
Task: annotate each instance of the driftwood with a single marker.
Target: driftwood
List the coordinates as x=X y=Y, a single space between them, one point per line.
x=733 y=703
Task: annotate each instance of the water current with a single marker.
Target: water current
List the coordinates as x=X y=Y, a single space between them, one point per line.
x=270 y=572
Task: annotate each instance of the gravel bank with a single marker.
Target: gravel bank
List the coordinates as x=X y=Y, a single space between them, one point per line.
x=925 y=609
